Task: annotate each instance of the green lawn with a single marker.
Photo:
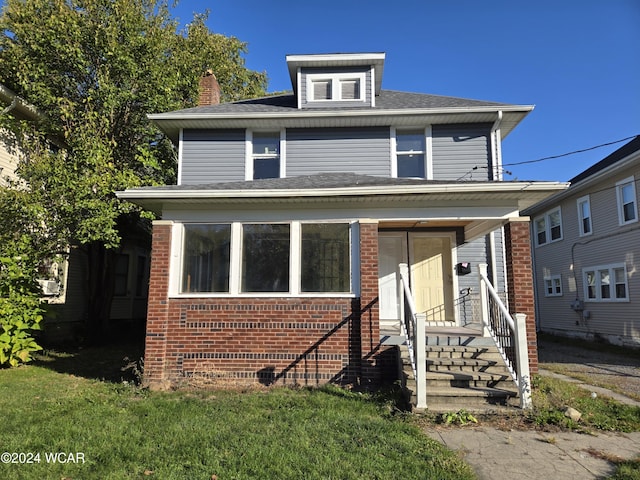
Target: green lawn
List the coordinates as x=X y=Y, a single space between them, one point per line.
x=124 y=432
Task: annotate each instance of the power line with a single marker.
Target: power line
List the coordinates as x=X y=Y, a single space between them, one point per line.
x=569 y=153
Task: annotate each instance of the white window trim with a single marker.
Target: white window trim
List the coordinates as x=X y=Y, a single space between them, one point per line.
x=547 y=226
x=598 y=268
x=428 y=152
x=619 y=186
x=235 y=269
x=579 y=202
x=248 y=152
x=551 y=278
x=336 y=92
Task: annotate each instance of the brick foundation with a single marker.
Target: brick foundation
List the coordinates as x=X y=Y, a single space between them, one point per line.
x=287 y=340
x=520 y=281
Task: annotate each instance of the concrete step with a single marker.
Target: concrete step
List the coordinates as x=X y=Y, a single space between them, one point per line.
x=468 y=341
x=458 y=380
x=486 y=353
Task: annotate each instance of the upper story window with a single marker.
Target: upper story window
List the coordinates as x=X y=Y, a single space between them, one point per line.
x=265 y=156
x=335 y=87
x=627 y=205
x=410 y=153
x=548 y=227
x=584 y=216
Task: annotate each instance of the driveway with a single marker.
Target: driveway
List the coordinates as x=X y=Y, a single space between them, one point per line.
x=601 y=364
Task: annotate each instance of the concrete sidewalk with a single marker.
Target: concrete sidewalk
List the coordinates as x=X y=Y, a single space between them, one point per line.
x=496 y=454
x=507 y=455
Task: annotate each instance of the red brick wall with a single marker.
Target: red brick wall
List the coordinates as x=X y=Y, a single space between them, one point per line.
x=520 y=282
x=301 y=341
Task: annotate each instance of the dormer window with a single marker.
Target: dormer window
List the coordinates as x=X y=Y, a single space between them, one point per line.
x=336 y=87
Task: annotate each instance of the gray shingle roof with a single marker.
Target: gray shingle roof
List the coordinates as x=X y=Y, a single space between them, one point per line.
x=318 y=181
x=387 y=100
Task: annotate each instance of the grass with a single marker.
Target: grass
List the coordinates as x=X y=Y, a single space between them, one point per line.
x=551 y=397
x=67 y=403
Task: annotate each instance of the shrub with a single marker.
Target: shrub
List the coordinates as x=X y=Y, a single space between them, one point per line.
x=20 y=306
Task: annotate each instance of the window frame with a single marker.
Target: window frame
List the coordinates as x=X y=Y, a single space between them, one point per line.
x=597 y=272
x=236 y=260
x=620 y=186
x=585 y=200
x=250 y=157
x=549 y=282
x=335 y=81
x=546 y=218
x=427 y=153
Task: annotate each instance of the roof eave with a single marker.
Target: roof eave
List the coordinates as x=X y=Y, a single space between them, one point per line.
x=167 y=122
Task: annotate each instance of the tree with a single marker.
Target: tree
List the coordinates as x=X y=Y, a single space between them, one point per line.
x=95 y=69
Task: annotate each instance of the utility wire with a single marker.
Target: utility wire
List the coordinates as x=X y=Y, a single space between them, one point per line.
x=569 y=153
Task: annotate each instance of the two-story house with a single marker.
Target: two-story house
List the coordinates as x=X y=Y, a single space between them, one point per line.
x=277 y=254
x=64 y=278
x=587 y=253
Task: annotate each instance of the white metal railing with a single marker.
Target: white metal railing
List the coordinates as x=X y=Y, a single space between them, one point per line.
x=413 y=329
x=509 y=335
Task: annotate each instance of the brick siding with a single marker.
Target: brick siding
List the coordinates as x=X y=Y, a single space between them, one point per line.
x=520 y=282
x=287 y=340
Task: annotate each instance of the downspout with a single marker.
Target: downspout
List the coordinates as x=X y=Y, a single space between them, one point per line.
x=496 y=174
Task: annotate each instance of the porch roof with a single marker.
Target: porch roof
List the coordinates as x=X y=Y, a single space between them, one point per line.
x=477 y=206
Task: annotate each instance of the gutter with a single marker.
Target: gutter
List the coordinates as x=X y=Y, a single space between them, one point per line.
x=194 y=193
x=19 y=105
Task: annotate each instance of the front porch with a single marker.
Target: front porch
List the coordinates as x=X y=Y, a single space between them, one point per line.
x=480 y=367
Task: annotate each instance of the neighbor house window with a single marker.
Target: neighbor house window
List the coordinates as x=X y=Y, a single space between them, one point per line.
x=584 y=216
x=553 y=286
x=121 y=284
x=627 y=205
x=206 y=256
x=410 y=153
x=548 y=227
x=266 y=155
x=335 y=86
x=325 y=260
x=265 y=257
x=606 y=283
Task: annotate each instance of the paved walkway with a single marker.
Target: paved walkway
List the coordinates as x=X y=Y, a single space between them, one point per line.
x=496 y=454
x=508 y=455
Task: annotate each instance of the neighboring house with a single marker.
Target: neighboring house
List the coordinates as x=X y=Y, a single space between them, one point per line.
x=276 y=256
x=64 y=283
x=587 y=253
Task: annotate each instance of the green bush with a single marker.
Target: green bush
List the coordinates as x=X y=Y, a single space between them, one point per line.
x=20 y=306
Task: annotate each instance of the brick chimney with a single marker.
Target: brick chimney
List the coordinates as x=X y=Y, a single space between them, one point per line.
x=209 y=90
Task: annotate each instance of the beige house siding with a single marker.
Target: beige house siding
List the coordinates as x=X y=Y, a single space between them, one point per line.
x=608 y=244
x=8 y=157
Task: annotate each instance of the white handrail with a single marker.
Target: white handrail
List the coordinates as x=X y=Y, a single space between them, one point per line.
x=417 y=344
x=521 y=375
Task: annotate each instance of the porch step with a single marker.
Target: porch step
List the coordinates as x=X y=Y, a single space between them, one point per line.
x=463 y=374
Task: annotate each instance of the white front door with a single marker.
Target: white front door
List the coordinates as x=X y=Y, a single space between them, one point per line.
x=392 y=251
x=429 y=256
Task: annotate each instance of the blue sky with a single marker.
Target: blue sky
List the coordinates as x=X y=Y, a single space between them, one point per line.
x=577 y=61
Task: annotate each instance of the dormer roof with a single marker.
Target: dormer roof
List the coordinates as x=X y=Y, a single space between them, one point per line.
x=332 y=60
